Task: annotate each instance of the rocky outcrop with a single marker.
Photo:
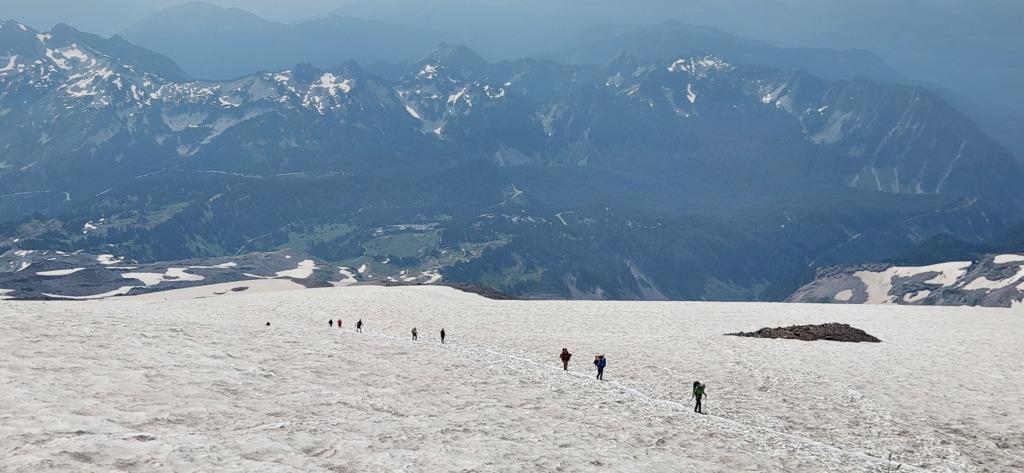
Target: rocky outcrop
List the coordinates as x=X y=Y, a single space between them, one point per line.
x=992 y=281
x=57 y=275
x=809 y=333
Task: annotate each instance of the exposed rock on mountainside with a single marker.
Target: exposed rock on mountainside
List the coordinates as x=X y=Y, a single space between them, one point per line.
x=994 y=281
x=688 y=178
x=26 y=274
x=809 y=333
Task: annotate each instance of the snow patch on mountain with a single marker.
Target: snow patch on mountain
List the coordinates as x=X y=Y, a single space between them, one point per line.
x=1006 y=259
x=429 y=72
x=700 y=67
x=59 y=272
x=833 y=131
x=108 y=260
x=124 y=290
x=303 y=271
x=984 y=283
x=844 y=296
x=332 y=84
x=994 y=281
x=172 y=274
x=412 y=112
x=11 y=63
x=879 y=284
x=349 y=276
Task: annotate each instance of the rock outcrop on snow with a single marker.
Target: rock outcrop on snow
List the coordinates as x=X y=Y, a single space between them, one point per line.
x=992 y=281
x=833 y=332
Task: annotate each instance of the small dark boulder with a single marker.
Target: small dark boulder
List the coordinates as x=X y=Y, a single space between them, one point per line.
x=809 y=333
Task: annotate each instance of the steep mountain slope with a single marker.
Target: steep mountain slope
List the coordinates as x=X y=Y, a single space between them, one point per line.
x=992 y=281
x=58 y=275
x=525 y=174
x=942 y=270
x=220 y=43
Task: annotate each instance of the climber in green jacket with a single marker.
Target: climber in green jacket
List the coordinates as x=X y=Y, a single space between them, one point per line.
x=698 y=394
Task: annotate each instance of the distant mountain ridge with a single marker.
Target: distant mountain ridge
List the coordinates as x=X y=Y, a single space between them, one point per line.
x=599 y=45
x=687 y=178
x=993 y=281
x=942 y=270
x=212 y=42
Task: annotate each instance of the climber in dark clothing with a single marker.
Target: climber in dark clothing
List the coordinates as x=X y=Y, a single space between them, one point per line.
x=442 y=336
x=330 y=322
x=339 y=323
x=359 y=326
x=565 y=356
x=600 y=362
x=415 y=334
x=698 y=394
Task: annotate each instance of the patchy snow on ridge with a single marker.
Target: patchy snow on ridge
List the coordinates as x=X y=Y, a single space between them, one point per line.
x=1006 y=259
x=11 y=63
x=879 y=284
x=350 y=277
x=200 y=383
x=60 y=272
x=227 y=265
x=432 y=277
x=331 y=84
x=171 y=275
x=303 y=271
x=108 y=260
x=844 y=296
x=124 y=290
x=988 y=284
x=412 y=112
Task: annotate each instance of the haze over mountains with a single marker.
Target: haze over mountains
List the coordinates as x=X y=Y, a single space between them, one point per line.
x=691 y=177
x=968 y=48
x=211 y=42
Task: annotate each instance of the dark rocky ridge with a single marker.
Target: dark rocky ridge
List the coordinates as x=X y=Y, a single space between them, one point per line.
x=994 y=280
x=832 y=332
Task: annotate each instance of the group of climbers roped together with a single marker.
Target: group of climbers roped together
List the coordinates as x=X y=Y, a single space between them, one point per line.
x=600 y=362
x=359 y=328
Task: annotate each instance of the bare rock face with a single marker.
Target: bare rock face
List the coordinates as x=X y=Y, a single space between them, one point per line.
x=833 y=332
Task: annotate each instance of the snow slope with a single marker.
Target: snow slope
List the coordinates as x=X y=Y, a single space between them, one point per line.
x=202 y=385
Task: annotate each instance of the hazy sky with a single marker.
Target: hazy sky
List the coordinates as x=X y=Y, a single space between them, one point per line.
x=110 y=16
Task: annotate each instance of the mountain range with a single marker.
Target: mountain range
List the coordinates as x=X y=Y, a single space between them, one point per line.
x=601 y=44
x=212 y=42
x=690 y=177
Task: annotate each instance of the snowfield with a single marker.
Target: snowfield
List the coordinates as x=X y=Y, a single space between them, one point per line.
x=197 y=382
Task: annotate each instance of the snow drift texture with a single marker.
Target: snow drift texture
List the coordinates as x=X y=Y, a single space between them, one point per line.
x=204 y=385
